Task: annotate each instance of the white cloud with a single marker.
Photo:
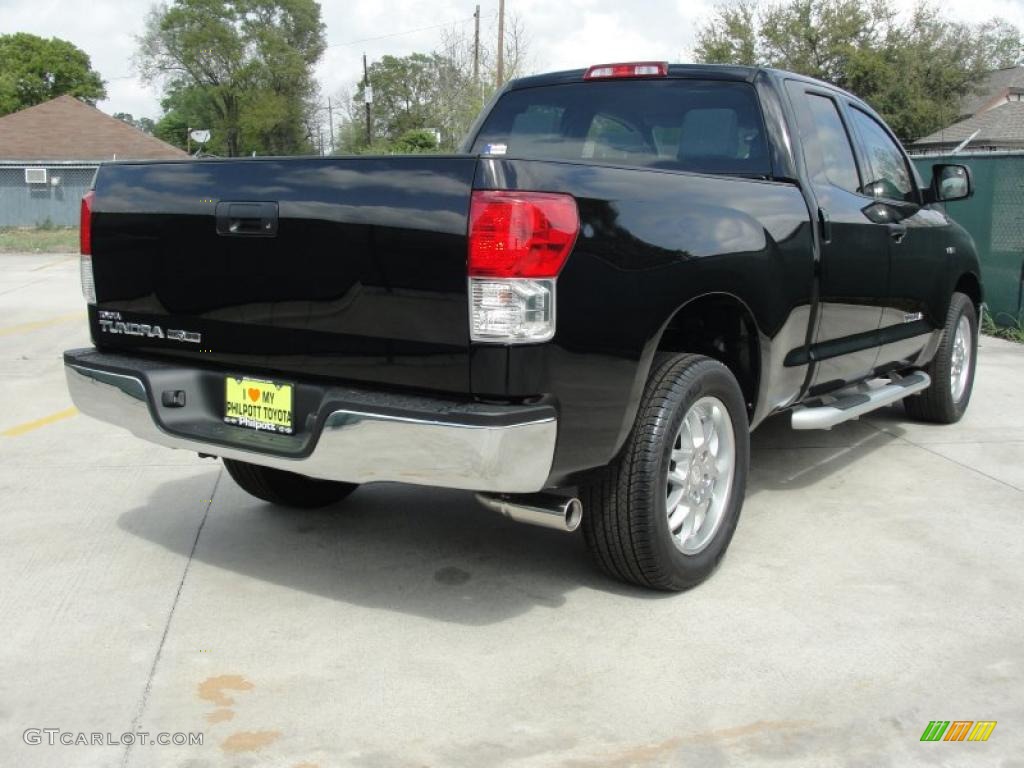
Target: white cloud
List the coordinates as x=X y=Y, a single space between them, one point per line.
x=564 y=34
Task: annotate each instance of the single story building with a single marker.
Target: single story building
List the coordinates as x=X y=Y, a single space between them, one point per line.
x=991 y=118
x=999 y=128
x=50 y=152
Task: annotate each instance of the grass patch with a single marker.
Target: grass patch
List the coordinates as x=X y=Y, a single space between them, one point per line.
x=1011 y=328
x=45 y=239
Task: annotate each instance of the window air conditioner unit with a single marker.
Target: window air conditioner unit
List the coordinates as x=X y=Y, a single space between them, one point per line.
x=35 y=175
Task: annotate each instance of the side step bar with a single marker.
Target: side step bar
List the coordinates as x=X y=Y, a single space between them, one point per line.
x=854 y=403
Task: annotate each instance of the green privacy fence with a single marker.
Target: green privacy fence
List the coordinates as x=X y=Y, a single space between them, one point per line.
x=995 y=219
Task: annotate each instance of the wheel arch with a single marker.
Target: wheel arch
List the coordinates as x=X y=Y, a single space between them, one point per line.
x=969 y=285
x=721 y=326
x=671 y=336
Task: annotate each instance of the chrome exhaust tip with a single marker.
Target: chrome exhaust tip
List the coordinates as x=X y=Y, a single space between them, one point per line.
x=562 y=513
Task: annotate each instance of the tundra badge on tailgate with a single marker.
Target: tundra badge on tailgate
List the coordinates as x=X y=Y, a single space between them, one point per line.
x=112 y=322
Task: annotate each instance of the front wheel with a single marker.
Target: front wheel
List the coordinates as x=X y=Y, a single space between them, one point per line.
x=952 y=368
x=286 y=488
x=663 y=513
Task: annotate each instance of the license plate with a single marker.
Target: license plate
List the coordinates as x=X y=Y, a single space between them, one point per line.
x=258 y=404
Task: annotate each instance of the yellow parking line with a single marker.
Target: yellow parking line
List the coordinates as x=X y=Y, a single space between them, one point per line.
x=55 y=263
x=28 y=426
x=35 y=326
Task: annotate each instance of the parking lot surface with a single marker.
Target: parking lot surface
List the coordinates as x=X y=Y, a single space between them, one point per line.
x=874 y=584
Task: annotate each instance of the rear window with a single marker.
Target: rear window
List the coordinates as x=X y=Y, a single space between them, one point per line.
x=686 y=125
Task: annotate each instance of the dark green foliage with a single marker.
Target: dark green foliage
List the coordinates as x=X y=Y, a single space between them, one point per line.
x=429 y=91
x=241 y=68
x=415 y=141
x=913 y=69
x=144 y=124
x=416 y=94
x=34 y=69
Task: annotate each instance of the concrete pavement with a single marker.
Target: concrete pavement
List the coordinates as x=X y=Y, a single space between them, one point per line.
x=873 y=585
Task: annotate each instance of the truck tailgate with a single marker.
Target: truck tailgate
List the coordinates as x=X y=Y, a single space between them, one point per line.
x=352 y=268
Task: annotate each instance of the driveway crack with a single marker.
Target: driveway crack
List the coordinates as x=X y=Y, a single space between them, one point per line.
x=144 y=700
x=924 y=447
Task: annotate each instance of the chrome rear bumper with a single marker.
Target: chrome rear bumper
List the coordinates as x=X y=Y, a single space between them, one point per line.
x=502 y=449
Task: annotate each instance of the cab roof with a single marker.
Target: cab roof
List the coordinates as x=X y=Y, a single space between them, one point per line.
x=701 y=71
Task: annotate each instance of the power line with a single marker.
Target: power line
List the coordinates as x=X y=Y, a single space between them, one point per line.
x=406 y=32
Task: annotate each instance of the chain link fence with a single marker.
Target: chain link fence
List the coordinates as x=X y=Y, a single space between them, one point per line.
x=42 y=195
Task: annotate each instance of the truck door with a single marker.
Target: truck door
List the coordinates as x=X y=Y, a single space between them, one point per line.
x=854 y=266
x=917 y=241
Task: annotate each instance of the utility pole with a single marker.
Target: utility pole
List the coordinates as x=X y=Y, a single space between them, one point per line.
x=330 y=122
x=476 y=46
x=367 y=100
x=501 y=42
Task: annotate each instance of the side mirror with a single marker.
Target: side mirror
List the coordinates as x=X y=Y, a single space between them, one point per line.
x=950 y=182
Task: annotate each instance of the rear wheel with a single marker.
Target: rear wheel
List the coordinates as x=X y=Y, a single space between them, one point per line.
x=952 y=368
x=663 y=513
x=286 y=488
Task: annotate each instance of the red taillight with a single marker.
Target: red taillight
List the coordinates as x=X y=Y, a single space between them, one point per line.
x=520 y=234
x=629 y=69
x=85 y=224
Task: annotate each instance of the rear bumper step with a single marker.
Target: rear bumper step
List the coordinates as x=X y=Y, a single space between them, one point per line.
x=350 y=435
x=854 y=403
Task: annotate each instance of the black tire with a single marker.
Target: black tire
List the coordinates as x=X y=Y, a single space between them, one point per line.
x=624 y=504
x=286 y=488
x=937 y=403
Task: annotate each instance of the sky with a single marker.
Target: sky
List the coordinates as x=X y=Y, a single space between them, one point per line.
x=564 y=34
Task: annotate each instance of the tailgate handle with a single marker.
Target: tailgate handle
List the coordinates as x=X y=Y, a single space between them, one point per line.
x=247 y=219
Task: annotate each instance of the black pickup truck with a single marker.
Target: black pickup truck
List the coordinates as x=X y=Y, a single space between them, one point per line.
x=580 y=316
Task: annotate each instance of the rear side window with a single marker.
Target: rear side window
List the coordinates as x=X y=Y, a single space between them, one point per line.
x=890 y=176
x=687 y=125
x=837 y=158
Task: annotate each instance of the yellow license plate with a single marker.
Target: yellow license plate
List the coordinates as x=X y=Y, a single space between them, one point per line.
x=258 y=404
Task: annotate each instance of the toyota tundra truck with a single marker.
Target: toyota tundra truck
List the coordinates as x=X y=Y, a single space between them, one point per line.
x=580 y=316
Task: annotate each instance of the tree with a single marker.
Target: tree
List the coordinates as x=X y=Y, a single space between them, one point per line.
x=143 y=124
x=408 y=94
x=411 y=94
x=187 y=107
x=415 y=141
x=34 y=69
x=430 y=91
x=730 y=36
x=914 y=70
x=242 y=68
x=466 y=96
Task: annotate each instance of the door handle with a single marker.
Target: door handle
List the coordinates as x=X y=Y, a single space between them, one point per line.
x=245 y=225
x=246 y=219
x=897 y=232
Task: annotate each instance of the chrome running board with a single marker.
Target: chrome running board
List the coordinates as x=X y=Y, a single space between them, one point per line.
x=847 y=404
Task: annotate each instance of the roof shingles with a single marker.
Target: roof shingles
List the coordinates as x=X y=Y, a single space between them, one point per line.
x=1001 y=126
x=994 y=85
x=68 y=129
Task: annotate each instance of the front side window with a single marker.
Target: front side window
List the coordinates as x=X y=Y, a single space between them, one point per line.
x=890 y=176
x=689 y=125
